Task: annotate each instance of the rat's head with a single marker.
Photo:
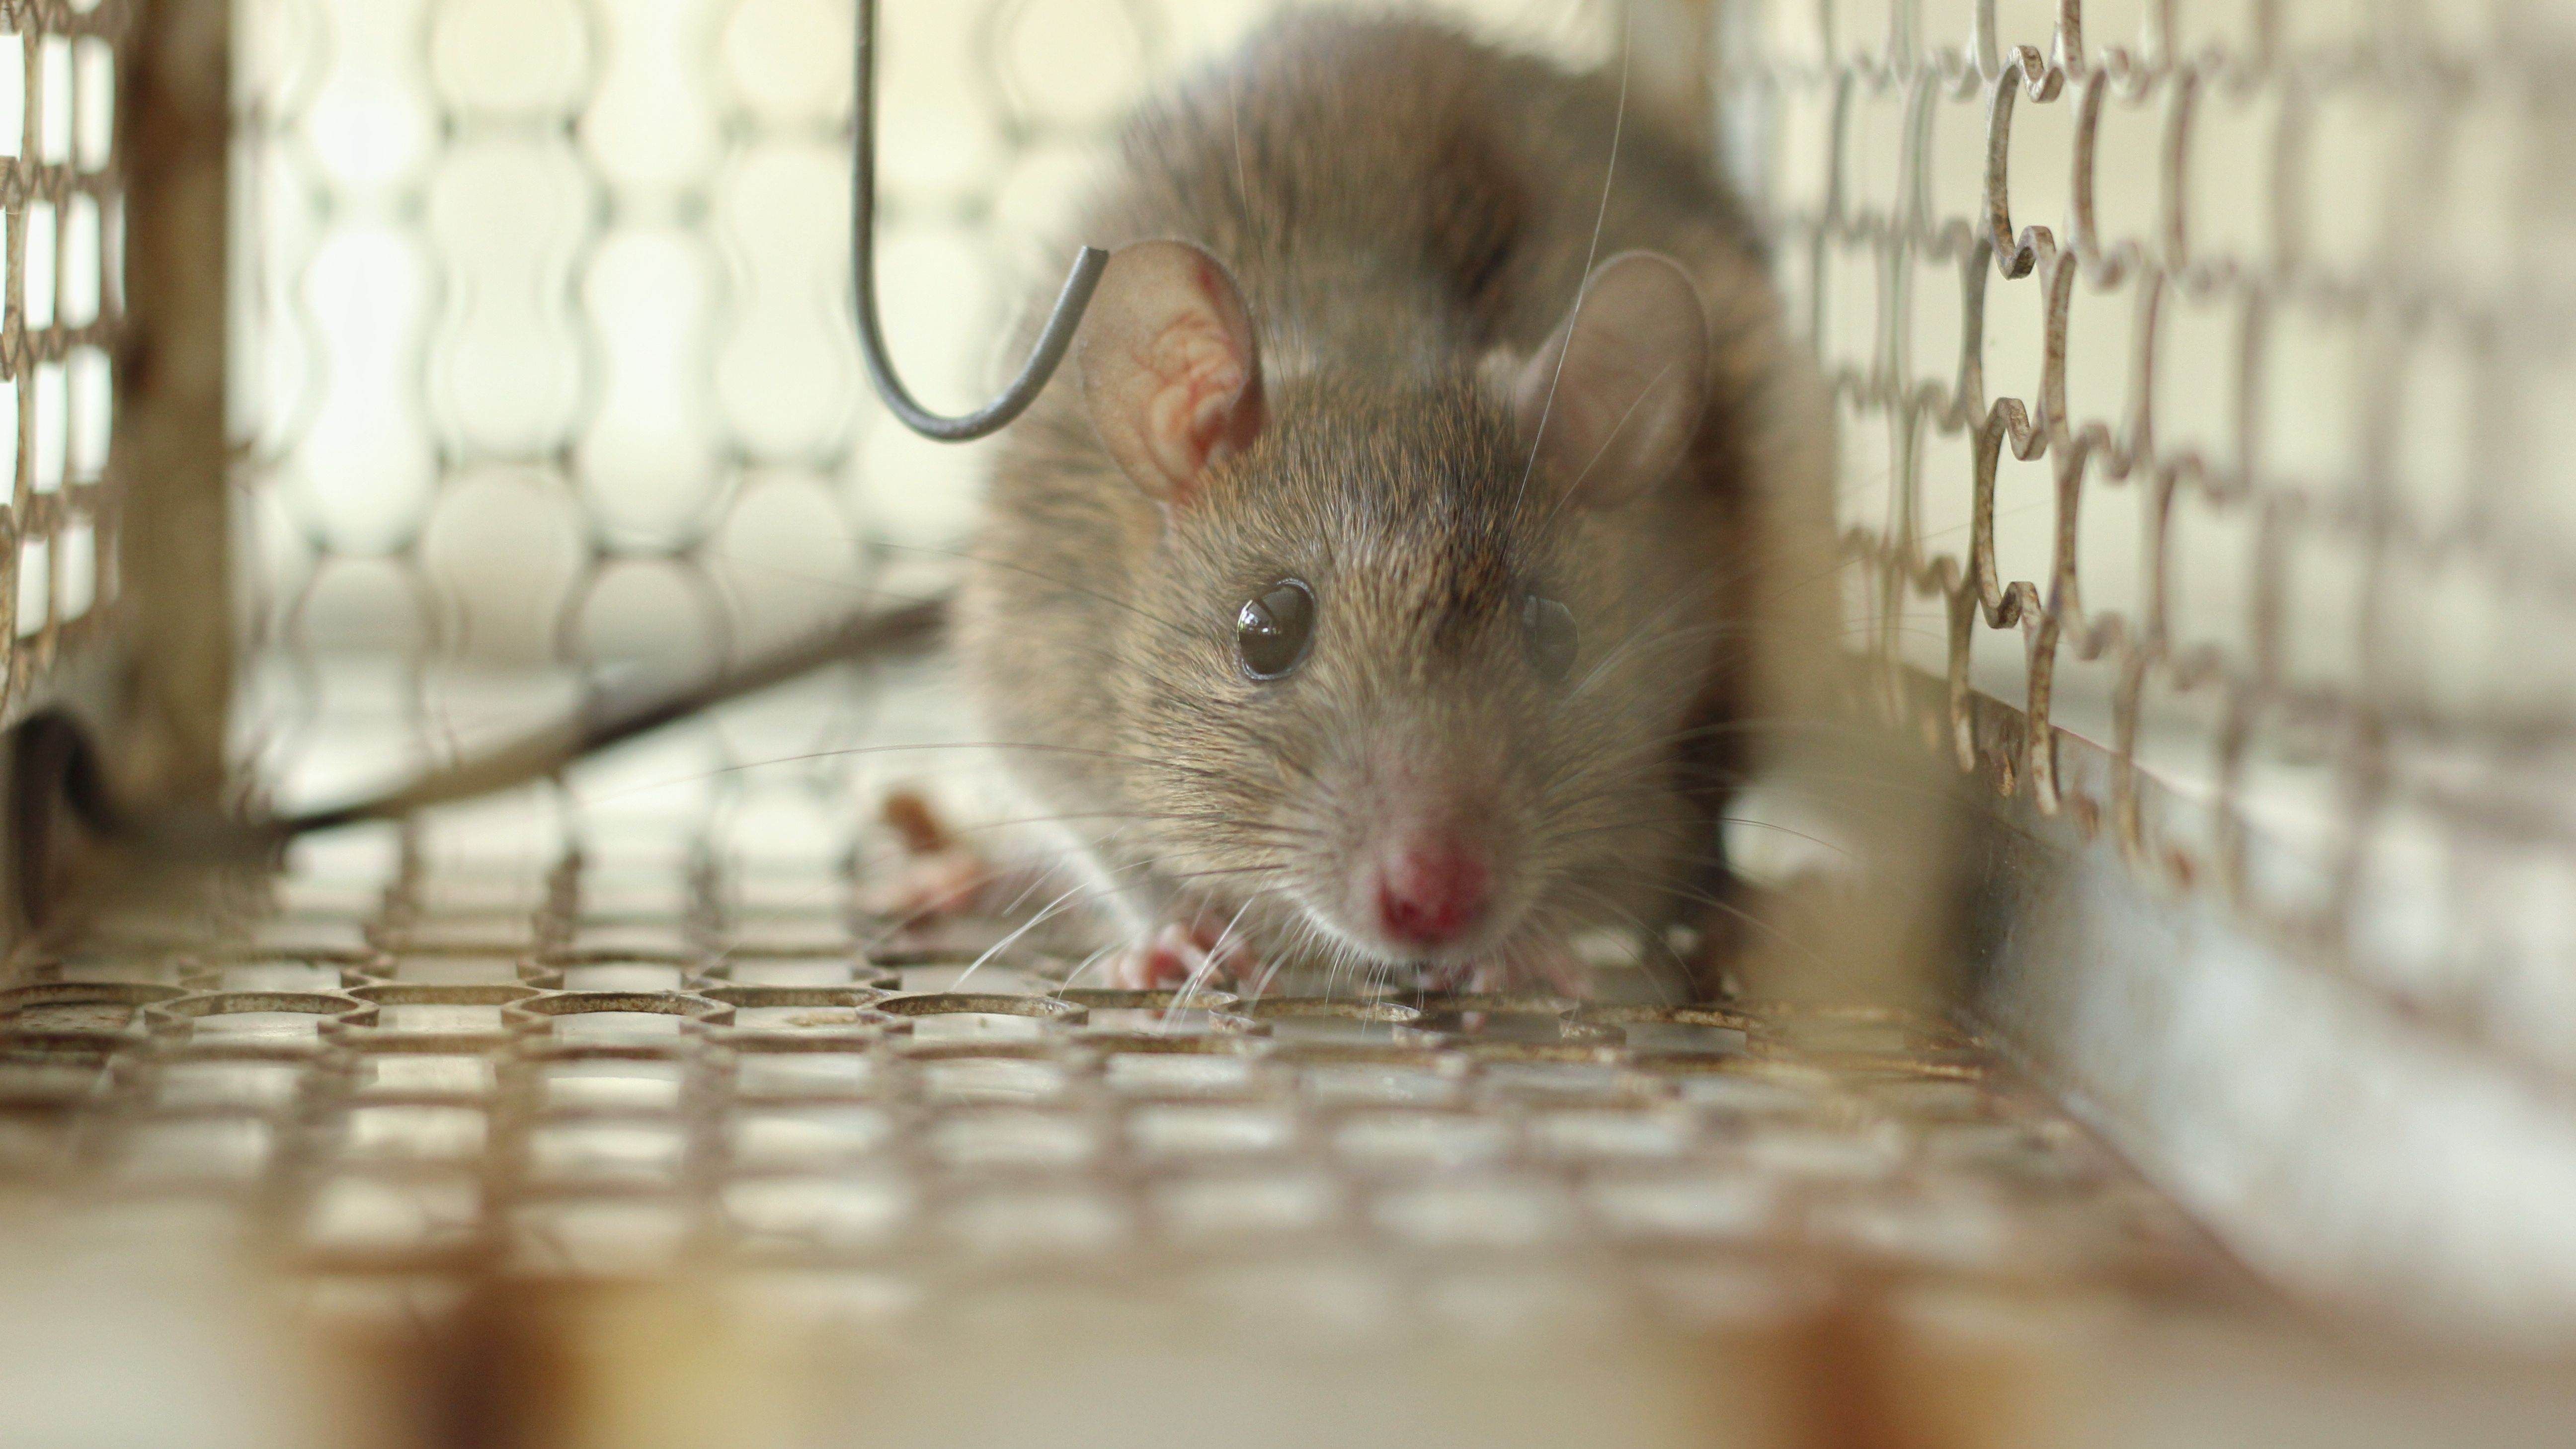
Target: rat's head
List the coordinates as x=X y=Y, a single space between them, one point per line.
x=1412 y=651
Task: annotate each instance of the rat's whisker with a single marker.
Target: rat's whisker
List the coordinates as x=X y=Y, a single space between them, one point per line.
x=1644 y=931
x=1223 y=820
x=1004 y=944
x=852 y=751
x=1747 y=917
x=1650 y=631
x=1720 y=820
x=1208 y=960
x=1058 y=580
x=1094 y=959
x=906 y=922
x=1591 y=253
x=1218 y=872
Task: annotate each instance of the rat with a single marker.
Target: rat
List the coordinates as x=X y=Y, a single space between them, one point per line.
x=1433 y=497
x=1434 y=505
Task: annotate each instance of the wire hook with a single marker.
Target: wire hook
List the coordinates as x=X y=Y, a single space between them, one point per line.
x=1052 y=340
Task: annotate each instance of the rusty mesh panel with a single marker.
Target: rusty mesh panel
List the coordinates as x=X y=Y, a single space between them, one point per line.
x=438 y=1065
x=545 y=311
x=2203 y=369
x=59 y=194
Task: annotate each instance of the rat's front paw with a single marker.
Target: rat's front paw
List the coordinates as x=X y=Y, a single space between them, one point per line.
x=938 y=876
x=1177 y=955
x=954 y=881
x=1546 y=971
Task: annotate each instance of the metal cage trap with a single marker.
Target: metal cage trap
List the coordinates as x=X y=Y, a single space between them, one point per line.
x=2198 y=366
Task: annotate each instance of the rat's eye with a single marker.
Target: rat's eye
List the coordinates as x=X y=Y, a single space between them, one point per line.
x=1547 y=636
x=1271 y=631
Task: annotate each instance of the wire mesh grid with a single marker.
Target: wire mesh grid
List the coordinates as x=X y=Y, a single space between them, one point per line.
x=521 y=331
x=544 y=360
x=417 y=1076
x=60 y=196
x=2202 y=370
x=521 y=328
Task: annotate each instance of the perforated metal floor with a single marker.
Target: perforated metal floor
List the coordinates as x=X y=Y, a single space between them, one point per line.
x=423 y=1079
x=658 y=1141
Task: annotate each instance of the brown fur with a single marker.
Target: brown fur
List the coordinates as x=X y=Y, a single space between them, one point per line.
x=1397 y=203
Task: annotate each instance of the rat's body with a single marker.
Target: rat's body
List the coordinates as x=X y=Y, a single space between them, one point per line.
x=1546 y=571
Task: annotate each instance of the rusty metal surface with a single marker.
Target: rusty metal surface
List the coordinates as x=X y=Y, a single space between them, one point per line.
x=592 y=1116
x=2197 y=369
x=2197 y=364
x=2198 y=375
x=426 y=1074
x=2341 y=1150
x=639 y=1031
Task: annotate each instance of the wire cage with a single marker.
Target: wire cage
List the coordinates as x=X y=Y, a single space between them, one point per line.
x=2198 y=368
x=63 y=312
x=398 y=369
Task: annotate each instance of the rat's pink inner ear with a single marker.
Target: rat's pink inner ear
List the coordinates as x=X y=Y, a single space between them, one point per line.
x=1169 y=370
x=1608 y=406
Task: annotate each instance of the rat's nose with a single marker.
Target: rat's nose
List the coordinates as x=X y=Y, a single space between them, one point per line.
x=1431 y=890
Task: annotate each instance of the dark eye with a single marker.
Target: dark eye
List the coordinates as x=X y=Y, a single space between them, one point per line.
x=1547 y=634
x=1272 y=630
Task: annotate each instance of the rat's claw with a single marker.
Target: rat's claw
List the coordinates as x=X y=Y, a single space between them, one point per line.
x=1175 y=954
x=1549 y=971
x=1559 y=972
x=1160 y=962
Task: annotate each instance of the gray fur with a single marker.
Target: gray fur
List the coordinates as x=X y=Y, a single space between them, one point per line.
x=1402 y=208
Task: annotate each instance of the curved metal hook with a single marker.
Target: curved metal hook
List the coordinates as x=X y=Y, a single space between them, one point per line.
x=1052 y=340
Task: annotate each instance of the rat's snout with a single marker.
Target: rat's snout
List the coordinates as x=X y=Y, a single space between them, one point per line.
x=1423 y=863
x=1433 y=886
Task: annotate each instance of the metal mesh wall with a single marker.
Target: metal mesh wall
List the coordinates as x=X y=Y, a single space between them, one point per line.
x=550 y=330
x=2203 y=370
x=59 y=194
x=545 y=357
x=534 y=345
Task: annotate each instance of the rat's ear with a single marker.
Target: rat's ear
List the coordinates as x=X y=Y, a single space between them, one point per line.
x=1169 y=370
x=1609 y=404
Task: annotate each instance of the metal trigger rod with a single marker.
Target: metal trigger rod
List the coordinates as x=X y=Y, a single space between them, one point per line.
x=1052 y=341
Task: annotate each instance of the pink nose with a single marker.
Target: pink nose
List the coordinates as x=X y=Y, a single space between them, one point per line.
x=1431 y=890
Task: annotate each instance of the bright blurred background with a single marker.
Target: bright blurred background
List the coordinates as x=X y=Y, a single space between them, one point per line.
x=546 y=327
